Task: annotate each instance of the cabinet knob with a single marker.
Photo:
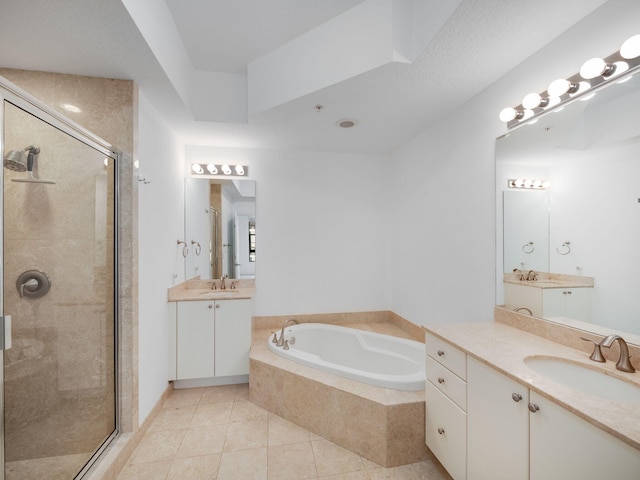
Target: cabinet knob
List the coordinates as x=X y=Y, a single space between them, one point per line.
x=217 y=305
x=440 y=353
x=441 y=431
x=440 y=380
x=533 y=408
x=516 y=397
x=210 y=306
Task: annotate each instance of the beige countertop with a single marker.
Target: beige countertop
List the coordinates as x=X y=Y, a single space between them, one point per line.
x=550 y=280
x=194 y=290
x=505 y=348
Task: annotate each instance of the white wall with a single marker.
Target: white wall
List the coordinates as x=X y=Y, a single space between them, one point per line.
x=160 y=224
x=323 y=232
x=445 y=185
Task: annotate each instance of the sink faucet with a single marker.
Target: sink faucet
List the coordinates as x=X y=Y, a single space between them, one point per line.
x=532 y=275
x=223 y=286
x=280 y=342
x=623 y=362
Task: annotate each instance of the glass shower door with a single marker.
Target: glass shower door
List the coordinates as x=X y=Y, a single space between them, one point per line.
x=59 y=288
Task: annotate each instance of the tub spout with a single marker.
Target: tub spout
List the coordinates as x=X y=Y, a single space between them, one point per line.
x=280 y=342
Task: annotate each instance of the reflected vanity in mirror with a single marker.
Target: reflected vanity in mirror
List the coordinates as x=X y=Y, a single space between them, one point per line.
x=578 y=237
x=220 y=228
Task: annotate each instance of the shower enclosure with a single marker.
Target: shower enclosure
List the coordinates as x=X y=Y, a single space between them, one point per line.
x=59 y=288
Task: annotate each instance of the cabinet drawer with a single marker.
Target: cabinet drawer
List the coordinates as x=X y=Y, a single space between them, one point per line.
x=446 y=432
x=448 y=355
x=444 y=380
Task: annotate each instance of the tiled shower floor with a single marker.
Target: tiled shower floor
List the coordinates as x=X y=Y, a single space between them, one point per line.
x=216 y=433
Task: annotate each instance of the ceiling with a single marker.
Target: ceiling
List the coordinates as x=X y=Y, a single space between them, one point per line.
x=191 y=56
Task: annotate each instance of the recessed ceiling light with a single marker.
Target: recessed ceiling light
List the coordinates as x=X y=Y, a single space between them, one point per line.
x=70 y=108
x=347 y=123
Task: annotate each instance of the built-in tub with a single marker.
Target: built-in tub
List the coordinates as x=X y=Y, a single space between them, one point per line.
x=372 y=358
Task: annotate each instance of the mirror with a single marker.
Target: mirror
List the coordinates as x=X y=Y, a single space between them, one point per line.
x=587 y=224
x=220 y=228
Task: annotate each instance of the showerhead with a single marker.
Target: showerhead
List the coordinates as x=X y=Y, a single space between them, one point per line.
x=15 y=160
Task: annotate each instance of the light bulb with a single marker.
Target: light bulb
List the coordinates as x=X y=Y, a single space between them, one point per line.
x=226 y=170
x=621 y=67
x=596 y=67
x=239 y=170
x=537 y=183
x=631 y=48
x=546 y=184
x=197 y=168
x=211 y=168
x=559 y=87
x=533 y=100
x=507 y=114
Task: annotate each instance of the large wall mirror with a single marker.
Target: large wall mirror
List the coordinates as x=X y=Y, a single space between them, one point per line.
x=587 y=223
x=220 y=228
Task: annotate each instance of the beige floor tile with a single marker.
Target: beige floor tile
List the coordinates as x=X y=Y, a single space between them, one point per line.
x=360 y=475
x=291 y=462
x=219 y=394
x=175 y=418
x=244 y=465
x=183 y=396
x=380 y=474
x=332 y=459
x=419 y=471
x=241 y=436
x=211 y=414
x=203 y=441
x=245 y=411
x=146 y=471
x=195 y=468
x=242 y=392
x=156 y=446
x=282 y=431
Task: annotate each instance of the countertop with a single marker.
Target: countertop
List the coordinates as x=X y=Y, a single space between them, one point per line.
x=550 y=280
x=194 y=290
x=505 y=348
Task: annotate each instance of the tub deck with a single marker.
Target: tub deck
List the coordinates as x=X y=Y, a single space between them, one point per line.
x=383 y=425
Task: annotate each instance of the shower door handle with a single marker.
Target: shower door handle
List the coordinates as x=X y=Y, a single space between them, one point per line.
x=5 y=332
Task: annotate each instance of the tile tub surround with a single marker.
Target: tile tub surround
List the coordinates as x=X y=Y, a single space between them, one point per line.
x=385 y=426
x=504 y=348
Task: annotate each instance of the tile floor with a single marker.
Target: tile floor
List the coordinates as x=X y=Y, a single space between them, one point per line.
x=217 y=433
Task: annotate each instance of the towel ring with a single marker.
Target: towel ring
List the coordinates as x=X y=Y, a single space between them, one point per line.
x=185 y=249
x=566 y=248
x=197 y=249
x=528 y=247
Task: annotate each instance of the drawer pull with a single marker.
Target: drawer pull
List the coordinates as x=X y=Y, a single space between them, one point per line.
x=516 y=397
x=440 y=380
x=533 y=408
x=440 y=353
x=441 y=431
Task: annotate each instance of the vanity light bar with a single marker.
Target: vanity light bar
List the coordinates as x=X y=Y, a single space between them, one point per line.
x=532 y=184
x=594 y=73
x=219 y=170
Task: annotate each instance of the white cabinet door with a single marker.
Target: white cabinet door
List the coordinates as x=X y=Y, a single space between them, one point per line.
x=446 y=431
x=567 y=302
x=195 y=345
x=232 y=337
x=564 y=445
x=497 y=425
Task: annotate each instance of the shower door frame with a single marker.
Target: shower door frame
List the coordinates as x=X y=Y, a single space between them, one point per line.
x=15 y=95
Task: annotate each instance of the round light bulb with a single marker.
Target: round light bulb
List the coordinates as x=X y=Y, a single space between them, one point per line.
x=211 y=168
x=559 y=87
x=519 y=182
x=507 y=114
x=546 y=184
x=239 y=170
x=537 y=183
x=631 y=48
x=596 y=67
x=197 y=168
x=226 y=170
x=533 y=100
x=621 y=67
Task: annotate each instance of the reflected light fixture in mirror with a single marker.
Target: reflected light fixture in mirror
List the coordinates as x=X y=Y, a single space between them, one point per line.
x=534 y=184
x=593 y=74
x=222 y=170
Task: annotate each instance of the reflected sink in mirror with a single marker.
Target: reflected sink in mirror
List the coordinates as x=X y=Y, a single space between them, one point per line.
x=591 y=381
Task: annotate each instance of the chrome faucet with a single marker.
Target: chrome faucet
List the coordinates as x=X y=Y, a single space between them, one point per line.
x=519 y=309
x=280 y=342
x=624 y=363
x=223 y=286
x=532 y=275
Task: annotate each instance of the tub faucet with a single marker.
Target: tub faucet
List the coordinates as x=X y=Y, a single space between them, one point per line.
x=223 y=286
x=280 y=342
x=624 y=363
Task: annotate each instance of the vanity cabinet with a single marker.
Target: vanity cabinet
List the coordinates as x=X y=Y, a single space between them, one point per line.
x=574 y=302
x=515 y=433
x=210 y=339
x=446 y=404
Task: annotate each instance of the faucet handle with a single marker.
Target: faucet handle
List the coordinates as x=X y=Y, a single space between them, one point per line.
x=596 y=355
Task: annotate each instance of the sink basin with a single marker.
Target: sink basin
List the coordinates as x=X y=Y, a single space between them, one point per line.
x=591 y=381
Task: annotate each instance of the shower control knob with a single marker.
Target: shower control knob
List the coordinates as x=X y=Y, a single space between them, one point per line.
x=533 y=408
x=516 y=397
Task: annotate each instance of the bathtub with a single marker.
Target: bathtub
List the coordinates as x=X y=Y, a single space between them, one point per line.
x=372 y=358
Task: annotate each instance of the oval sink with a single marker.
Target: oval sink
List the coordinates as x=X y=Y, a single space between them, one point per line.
x=585 y=379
